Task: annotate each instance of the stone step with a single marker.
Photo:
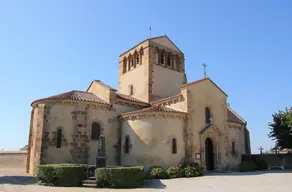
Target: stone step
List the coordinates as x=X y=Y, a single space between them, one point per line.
x=89 y=182
x=89 y=185
x=91 y=178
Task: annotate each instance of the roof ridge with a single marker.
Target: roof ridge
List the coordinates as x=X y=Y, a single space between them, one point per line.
x=75 y=95
x=166 y=99
x=131 y=98
x=170 y=41
x=153 y=109
x=193 y=82
x=147 y=39
x=81 y=91
x=101 y=82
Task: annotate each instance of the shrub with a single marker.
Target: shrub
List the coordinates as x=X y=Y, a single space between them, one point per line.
x=120 y=177
x=89 y=171
x=247 y=166
x=175 y=171
x=261 y=164
x=156 y=172
x=191 y=171
x=61 y=174
x=192 y=164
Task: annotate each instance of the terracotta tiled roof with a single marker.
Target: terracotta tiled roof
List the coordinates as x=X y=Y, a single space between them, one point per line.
x=167 y=99
x=152 y=109
x=234 y=117
x=194 y=82
x=76 y=95
x=130 y=98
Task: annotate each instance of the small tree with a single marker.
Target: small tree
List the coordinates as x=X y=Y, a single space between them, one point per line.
x=24 y=148
x=281 y=128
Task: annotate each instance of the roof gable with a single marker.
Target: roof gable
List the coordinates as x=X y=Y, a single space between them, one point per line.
x=201 y=80
x=162 y=40
x=165 y=41
x=234 y=117
x=102 y=84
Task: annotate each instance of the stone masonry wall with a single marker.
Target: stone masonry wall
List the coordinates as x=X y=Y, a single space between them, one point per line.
x=81 y=133
x=29 y=141
x=37 y=135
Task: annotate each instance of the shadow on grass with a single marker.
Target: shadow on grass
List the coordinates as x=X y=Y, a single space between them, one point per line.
x=17 y=180
x=248 y=173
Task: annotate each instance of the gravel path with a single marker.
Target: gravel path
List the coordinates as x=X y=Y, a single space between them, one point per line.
x=15 y=180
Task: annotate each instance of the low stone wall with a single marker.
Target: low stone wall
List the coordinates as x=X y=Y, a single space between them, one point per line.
x=13 y=159
x=275 y=160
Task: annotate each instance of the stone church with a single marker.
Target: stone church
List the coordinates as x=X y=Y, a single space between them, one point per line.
x=155 y=117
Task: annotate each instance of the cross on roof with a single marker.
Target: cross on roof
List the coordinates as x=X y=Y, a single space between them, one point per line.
x=261 y=149
x=205 y=73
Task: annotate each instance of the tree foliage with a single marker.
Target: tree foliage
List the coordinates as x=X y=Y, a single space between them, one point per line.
x=281 y=128
x=24 y=148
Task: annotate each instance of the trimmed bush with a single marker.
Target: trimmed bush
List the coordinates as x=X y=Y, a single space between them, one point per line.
x=174 y=171
x=156 y=172
x=67 y=175
x=120 y=177
x=261 y=164
x=247 y=166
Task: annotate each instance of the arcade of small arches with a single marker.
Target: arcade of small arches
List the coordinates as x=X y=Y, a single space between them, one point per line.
x=132 y=60
x=163 y=58
x=169 y=59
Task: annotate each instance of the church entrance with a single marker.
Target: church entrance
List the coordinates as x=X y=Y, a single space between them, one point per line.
x=209 y=154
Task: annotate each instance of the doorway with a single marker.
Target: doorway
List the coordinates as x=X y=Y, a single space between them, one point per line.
x=209 y=154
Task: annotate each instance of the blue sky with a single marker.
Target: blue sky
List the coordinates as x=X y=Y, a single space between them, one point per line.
x=49 y=47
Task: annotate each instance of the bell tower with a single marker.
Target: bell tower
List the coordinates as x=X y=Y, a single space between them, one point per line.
x=151 y=70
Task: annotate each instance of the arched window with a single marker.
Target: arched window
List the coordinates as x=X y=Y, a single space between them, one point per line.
x=131 y=89
x=129 y=62
x=132 y=61
x=233 y=148
x=127 y=144
x=140 y=55
x=95 y=131
x=59 y=138
x=207 y=115
x=162 y=58
x=125 y=65
x=137 y=59
x=168 y=61
x=178 y=67
x=174 y=147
